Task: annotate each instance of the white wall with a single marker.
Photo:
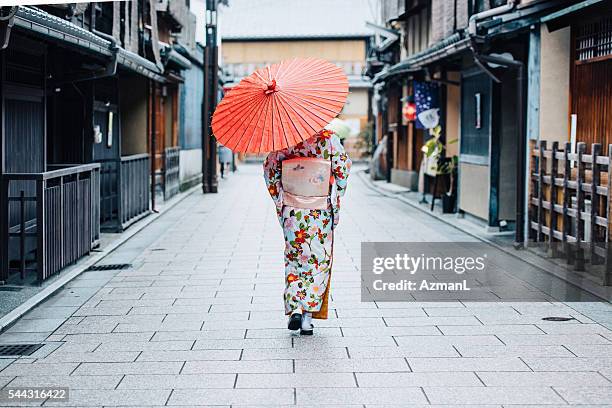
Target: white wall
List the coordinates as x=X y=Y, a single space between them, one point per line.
x=190 y=164
x=554 y=84
x=356 y=102
x=474 y=190
x=198 y=7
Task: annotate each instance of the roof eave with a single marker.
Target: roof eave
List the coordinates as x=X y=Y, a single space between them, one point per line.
x=54 y=28
x=443 y=49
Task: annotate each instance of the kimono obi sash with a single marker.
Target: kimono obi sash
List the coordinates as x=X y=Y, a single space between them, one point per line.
x=306 y=182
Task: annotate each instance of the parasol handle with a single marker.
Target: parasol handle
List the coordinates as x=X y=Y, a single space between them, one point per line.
x=271 y=87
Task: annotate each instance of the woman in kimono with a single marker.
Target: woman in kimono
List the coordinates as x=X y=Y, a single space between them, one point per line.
x=309 y=234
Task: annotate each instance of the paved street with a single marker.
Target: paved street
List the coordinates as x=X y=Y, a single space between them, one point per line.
x=198 y=320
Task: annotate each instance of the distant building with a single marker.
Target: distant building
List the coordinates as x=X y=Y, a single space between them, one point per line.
x=256 y=33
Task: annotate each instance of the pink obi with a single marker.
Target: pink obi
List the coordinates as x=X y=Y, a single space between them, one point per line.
x=306 y=182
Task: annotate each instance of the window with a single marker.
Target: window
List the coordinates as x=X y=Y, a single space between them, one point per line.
x=594 y=39
x=475 y=117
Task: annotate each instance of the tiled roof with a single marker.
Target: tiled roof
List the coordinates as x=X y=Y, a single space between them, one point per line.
x=56 y=29
x=287 y=19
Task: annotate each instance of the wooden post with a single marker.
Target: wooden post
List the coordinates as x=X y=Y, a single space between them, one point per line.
x=553 y=199
x=595 y=151
x=607 y=270
x=567 y=201
x=541 y=170
x=579 y=265
x=530 y=207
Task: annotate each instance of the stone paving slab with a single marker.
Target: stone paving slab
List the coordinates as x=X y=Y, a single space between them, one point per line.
x=496 y=395
x=323 y=396
x=139 y=367
x=172 y=345
x=113 y=398
x=352 y=365
x=552 y=379
x=254 y=366
x=569 y=364
x=232 y=396
x=199 y=321
x=199 y=335
x=463 y=379
x=294 y=380
x=182 y=381
x=586 y=395
x=189 y=355
x=468 y=364
x=44 y=369
x=514 y=351
x=84 y=382
x=554 y=339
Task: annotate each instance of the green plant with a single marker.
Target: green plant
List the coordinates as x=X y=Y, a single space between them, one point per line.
x=435 y=149
x=364 y=139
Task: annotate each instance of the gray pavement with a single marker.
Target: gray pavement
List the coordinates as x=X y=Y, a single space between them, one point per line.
x=199 y=321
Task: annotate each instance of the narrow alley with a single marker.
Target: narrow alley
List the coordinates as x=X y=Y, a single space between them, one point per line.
x=198 y=320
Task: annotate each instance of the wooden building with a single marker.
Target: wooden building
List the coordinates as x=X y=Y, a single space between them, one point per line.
x=484 y=57
x=89 y=92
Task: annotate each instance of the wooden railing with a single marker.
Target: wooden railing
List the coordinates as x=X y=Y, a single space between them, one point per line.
x=569 y=205
x=171 y=171
x=48 y=220
x=134 y=188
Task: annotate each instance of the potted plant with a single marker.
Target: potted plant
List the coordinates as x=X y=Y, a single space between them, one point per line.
x=440 y=165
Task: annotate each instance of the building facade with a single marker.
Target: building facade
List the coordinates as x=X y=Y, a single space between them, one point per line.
x=498 y=71
x=334 y=31
x=92 y=118
x=503 y=76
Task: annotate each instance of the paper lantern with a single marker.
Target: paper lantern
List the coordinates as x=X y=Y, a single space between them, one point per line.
x=409 y=111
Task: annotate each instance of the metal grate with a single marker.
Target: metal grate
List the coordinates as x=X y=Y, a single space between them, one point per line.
x=109 y=267
x=7 y=288
x=18 y=349
x=557 y=319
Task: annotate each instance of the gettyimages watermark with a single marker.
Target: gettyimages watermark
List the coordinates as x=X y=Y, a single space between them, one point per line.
x=455 y=271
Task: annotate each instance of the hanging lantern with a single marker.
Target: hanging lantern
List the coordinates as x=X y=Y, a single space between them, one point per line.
x=409 y=110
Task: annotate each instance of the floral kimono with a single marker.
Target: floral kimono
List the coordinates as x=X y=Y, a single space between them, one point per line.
x=309 y=233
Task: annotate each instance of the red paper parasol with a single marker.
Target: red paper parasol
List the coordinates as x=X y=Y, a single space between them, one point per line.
x=280 y=105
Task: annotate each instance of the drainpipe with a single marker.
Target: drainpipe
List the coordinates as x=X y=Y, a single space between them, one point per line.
x=7 y=19
x=111 y=70
x=472 y=24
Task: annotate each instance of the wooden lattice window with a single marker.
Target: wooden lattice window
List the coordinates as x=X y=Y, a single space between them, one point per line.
x=594 y=39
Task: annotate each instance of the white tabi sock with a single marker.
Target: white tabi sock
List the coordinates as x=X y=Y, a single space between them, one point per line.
x=307 y=321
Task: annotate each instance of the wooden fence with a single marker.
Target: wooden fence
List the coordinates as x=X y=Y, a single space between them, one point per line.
x=569 y=205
